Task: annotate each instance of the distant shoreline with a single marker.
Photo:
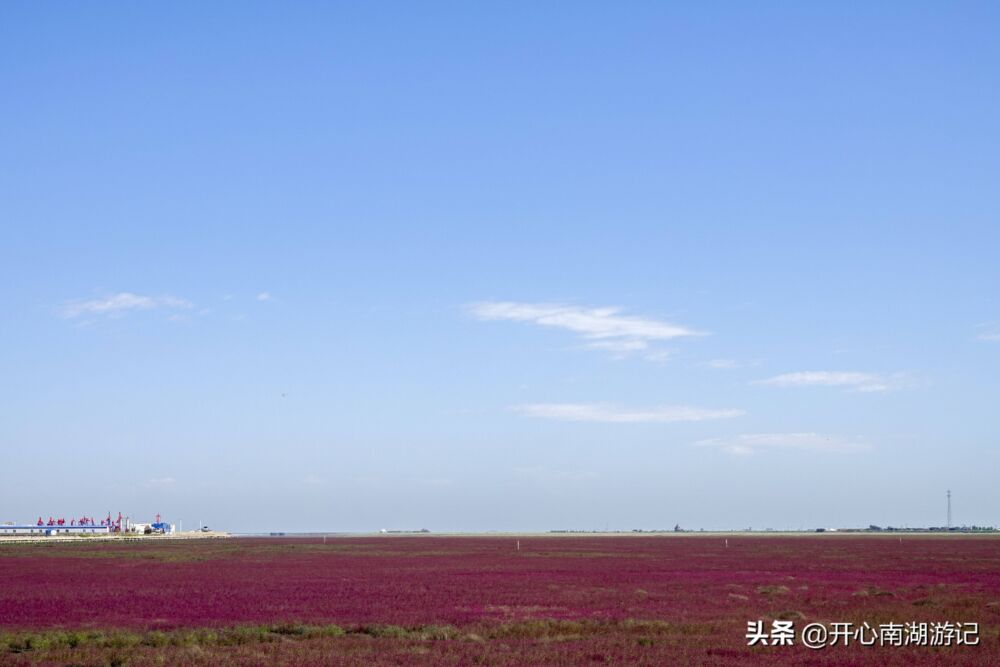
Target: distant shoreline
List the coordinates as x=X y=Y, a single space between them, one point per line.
x=195 y=535
x=623 y=534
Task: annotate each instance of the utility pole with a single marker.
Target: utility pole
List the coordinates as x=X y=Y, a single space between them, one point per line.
x=949 y=509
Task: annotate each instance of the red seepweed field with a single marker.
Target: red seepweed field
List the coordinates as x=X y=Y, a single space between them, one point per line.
x=559 y=600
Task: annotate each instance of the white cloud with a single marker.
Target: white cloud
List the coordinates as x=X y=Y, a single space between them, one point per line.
x=602 y=412
x=119 y=304
x=264 y=296
x=863 y=382
x=751 y=442
x=162 y=481
x=989 y=332
x=602 y=328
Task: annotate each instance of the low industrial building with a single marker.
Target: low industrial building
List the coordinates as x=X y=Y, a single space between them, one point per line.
x=53 y=530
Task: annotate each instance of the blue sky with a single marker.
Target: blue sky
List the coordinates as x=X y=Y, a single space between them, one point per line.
x=500 y=267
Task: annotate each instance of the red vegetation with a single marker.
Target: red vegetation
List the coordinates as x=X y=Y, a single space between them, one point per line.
x=589 y=590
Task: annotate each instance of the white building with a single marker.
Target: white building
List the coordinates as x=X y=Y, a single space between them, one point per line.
x=53 y=530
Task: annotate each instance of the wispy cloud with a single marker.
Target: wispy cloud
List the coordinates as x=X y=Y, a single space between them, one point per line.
x=602 y=328
x=118 y=304
x=264 y=296
x=617 y=346
x=989 y=332
x=162 y=482
x=603 y=412
x=749 y=443
x=863 y=382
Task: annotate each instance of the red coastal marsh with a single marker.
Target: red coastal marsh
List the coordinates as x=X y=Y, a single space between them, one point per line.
x=477 y=600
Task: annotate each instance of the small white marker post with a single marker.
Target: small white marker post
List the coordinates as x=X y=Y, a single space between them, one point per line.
x=727 y=544
x=519 y=545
